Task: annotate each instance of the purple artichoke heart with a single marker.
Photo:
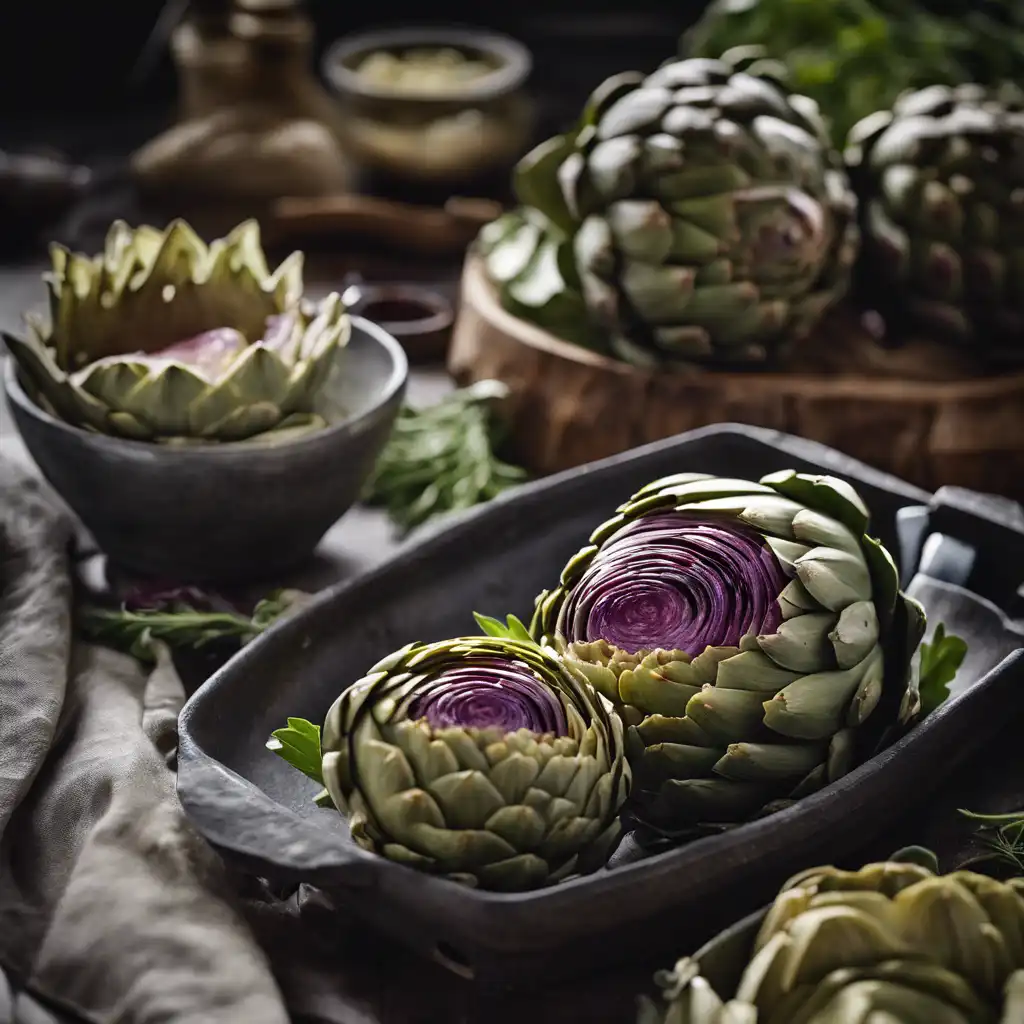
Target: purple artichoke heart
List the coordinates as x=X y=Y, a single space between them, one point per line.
x=677 y=582
x=487 y=694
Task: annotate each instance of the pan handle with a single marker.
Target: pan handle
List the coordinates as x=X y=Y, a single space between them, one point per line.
x=973 y=540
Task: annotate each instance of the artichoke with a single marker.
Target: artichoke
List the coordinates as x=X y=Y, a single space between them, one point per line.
x=161 y=338
x=479 y=759
x=744 y=631
x=889 y=944
x=701 y=209
x=941 y=181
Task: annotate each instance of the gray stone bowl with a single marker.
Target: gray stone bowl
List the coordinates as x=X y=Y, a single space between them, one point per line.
x=227 y=513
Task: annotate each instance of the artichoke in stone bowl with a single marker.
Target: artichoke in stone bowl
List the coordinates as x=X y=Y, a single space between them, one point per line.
x=941 y=183
x=892 y=943
x=700 y=211
x=746 y=632
x=478 y=759
x=162 y=338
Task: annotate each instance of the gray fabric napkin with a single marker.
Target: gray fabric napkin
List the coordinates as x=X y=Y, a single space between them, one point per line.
x=110 y=905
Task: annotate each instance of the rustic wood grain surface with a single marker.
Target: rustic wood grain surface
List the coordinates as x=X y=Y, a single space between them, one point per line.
x=918 y=411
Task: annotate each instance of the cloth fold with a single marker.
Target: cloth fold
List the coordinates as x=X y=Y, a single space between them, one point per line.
x=110 y=904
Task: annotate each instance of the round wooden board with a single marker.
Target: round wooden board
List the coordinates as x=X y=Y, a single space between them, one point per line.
x=570 y=405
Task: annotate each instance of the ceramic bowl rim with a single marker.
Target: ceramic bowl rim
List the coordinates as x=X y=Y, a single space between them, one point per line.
x=516 y=62
x=392 y=386
x=438 y=313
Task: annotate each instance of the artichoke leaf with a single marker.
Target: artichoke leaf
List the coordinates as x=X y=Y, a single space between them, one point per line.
x=813 y=707
x=535 y=180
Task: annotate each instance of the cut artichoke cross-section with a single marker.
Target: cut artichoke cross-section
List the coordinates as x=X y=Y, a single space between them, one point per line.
x=163 y=338
x=744 y=631
x=478 y=759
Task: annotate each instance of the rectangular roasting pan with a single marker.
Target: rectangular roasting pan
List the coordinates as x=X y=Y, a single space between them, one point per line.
x=257 y=811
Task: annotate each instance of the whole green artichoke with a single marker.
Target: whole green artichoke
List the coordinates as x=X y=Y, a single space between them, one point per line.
x=941 y=181
x=708 y=219
x=479 y=759
x=163 y=338
x=889 y=944
x=744 y=631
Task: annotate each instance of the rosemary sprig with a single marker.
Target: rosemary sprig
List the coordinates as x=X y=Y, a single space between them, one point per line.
x=181 y=619
x=442 y=458
x=1002 y=835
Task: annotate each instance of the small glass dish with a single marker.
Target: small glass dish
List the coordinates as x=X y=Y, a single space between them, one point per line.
x=432 y=104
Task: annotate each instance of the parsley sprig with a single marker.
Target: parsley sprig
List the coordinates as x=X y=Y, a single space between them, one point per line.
x=511 y=629
x=939 y=663
x=856 y=56
x=299 y=745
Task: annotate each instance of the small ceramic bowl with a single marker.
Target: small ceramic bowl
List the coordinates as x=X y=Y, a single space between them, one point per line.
x=419 y=318
x=225 y=513
x=432 y=134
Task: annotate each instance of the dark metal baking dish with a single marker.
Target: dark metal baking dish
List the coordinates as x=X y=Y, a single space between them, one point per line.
x=258 y=811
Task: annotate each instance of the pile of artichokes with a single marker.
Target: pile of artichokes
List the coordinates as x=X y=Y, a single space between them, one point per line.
x=721 y=647
x=162 y=338
x=700 y=215
x=892 y=943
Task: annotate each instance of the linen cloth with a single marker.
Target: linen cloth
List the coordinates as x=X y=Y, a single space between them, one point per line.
x=110 y=904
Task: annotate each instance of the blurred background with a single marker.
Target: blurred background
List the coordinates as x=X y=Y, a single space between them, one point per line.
x=85 y=60
x=386 y=149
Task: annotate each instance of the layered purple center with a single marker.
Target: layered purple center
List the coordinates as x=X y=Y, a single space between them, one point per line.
x=485 y=693
x=212 y=353
x=679 y=582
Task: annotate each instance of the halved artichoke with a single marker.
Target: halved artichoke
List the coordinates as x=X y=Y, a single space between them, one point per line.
x=745 y=632
x=163 y=338
x=892 y=943
x=480 y=759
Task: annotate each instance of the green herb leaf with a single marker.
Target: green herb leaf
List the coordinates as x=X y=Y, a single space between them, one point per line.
x=299 y=745
x=442 y=459
x=180 y=625
x=511 y=629
x=855 y=57
x=940 y=662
